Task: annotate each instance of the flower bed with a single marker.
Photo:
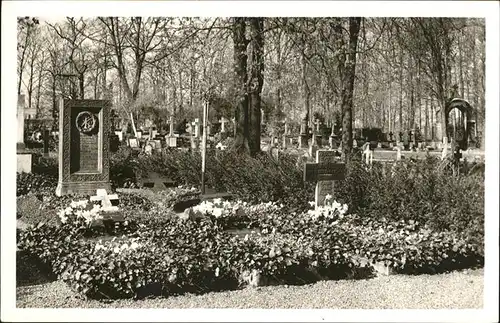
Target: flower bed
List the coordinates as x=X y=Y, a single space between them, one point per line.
x=171 y=256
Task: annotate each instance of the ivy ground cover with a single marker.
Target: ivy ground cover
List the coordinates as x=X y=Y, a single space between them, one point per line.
x=168 y=256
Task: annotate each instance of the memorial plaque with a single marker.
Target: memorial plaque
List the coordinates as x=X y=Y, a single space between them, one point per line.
x=314 y=172
x=83 y=146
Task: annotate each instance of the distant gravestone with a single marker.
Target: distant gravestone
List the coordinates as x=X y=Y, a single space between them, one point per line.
x=84 y=126
x=148 y=149
x=46 y=136
x=24 y=159
x=133 y=143
x=120 y=135
x=324 y=172
x=171 y=138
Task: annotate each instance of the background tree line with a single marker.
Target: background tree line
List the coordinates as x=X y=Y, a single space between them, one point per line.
x=391 y=73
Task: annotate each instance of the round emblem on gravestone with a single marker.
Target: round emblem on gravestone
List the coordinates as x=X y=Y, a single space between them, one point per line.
x=86 y=122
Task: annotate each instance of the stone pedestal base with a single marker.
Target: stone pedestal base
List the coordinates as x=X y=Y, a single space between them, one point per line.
x=171 y=141
x=81 y=188
x=303 y=141
x=24 y=162
x=195 y=143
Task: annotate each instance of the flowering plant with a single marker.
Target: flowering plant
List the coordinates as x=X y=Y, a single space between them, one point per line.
x=219 y=208
x=80 y=213
x=114 y=246
x=330 y=210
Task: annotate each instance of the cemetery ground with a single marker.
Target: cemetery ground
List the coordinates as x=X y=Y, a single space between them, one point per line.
x=411 y=236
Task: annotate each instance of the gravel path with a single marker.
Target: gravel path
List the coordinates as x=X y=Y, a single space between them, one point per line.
x=455 y=290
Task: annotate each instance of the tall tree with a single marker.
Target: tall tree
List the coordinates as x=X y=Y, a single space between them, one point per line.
x=255 y=82
x=348 y=85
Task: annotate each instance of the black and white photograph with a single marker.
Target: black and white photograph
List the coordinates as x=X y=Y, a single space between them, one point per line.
x=219 y=164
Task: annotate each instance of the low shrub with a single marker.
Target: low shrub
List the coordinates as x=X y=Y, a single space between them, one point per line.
x=169 y=256
x=123 y=168
x=31 y=182
x=46 y=166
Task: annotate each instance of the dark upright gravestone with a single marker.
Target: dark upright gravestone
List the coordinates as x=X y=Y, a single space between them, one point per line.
x=46 y=136
x=83 y=146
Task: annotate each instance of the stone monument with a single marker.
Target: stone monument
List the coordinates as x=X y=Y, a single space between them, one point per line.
x=171 y=138
x=24 y=161
x=84 y=128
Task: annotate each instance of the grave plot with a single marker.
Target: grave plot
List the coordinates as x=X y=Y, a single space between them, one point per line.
x=212 y=251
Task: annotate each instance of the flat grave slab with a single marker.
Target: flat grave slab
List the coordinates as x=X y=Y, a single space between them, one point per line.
x=156 y=181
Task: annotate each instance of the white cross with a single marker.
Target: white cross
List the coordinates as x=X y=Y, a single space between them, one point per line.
x=196 y=125
x=105 y=200
x=223 y=124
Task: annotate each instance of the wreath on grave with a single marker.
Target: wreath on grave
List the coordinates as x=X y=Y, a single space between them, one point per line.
x=86 y=122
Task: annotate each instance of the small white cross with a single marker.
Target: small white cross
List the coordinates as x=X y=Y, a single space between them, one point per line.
x=105 y=199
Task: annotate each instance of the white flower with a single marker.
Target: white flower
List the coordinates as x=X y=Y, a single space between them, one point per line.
x=134 y=245
x=328 y=197
x=312 y=203
x=217 y=201
x=217 y=272
x=124 y=246
x=217 y=213
x=68 y=210
x=116 y=250
x=73 y=204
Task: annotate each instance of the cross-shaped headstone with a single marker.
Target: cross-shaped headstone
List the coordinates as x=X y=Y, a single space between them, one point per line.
x=106 y=200
x=157 y=182
x=324 y=172
x=367 y=153
x=222 y=124
x=196 y=124
x=317 y=123
x=171 y=125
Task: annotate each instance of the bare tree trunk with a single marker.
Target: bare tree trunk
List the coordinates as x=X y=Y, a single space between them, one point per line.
x=401 y=124
x=306 y=92
x=426 y=131
x=39 y=86
x=240 y=68
x=348 y=86
x=256 y=82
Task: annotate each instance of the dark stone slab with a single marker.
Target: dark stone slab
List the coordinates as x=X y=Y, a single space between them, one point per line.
x=157 y=181
x=181 y=206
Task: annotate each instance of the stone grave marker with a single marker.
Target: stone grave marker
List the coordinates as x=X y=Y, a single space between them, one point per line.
x=171 y=138
x=84 y=126
x=133 y=143
x=148 y=149
x=196 y=135
x=156 y=182
x=109 y=204
x=24 y=159
x=46 y=136
x=317 y=134
x=325 y=171
x=120 y=135
x=367 y=153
